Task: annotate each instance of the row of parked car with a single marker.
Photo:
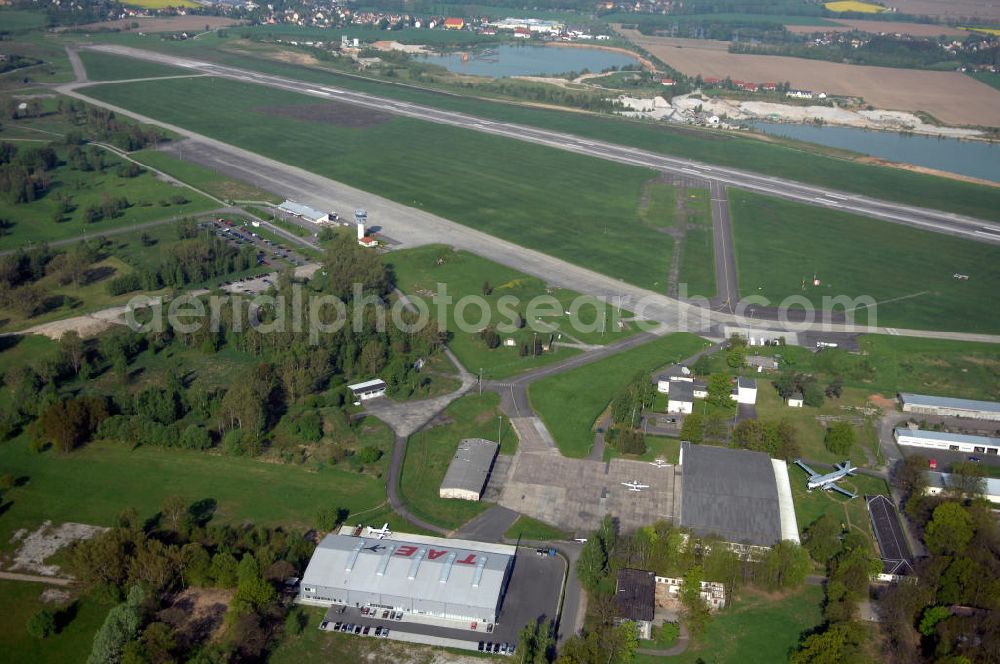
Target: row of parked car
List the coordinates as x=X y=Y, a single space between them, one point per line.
x=497 y=648
x=351 y=628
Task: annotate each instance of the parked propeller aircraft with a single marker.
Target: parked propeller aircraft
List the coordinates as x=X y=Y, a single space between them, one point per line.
x=635 y=486
x=828 y=482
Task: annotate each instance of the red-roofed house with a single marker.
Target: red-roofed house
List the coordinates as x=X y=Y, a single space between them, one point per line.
x=711 y=80
x=523 y=33
x=454 y=23
x=770 y=87
x=666 y=81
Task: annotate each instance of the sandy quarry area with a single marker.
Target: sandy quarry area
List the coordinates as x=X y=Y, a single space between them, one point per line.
x=984 y=9
x=396 y=46
x=951 y=97
x=164 y=24
x=875 y=27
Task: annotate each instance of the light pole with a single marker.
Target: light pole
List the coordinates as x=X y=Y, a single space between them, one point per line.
x=499 y=427
x=480 y=381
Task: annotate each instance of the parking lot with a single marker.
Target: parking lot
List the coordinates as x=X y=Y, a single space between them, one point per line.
x=532 y=595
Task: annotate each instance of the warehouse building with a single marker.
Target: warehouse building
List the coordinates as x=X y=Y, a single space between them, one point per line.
x=950 y=407
x=744 y=497
x=370 y=389
x=469 y=469
x=937 y=483
x=940 y=440
x=305 y=212
x=433 y=577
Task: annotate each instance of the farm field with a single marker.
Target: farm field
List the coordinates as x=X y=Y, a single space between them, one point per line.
x=78 y=619
x=161 y=4
x=987 y=12
x=781 y=245
x=854 y=6
x=570 y=402
x=150 y=199
x=756 y=629
x=429 y=453
x=378 y=153
x=848 y=24
x=798 y=161
x=206 y=180
x=107 y=67
x=949 y=96
x=420 y=271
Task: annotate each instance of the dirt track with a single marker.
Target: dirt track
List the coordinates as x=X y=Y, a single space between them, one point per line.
x=951 y=97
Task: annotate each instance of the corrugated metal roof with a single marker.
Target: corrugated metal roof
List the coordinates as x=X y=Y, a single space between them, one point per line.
x=376 y=383
x=943 y=436
x=417 y=569
x=471 y=465
x=949 y=402
x=300 y=210
x=635 y=594
x=730 y=493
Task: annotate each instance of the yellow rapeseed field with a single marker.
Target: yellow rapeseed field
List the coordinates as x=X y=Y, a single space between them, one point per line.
x=990 y=31
x=854 y=6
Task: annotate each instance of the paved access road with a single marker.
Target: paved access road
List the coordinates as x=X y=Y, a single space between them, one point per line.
x=942 y=222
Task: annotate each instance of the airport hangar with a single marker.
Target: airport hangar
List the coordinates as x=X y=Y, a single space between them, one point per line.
x=447 y=579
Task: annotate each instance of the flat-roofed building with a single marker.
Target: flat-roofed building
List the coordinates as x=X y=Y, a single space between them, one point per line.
x=469 y=469
x=941 y=440
x=635 y=599
x=305 y=212
x=937 y=483
x=369 y=389
x=436 y=577
x=926 y=404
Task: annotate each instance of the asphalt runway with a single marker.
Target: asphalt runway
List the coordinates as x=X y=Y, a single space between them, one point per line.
x=934 y=220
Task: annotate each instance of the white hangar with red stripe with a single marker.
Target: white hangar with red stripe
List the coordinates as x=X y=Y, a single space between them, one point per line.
x=432 y=576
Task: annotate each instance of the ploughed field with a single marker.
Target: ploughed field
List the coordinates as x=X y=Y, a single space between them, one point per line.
x=951 y=97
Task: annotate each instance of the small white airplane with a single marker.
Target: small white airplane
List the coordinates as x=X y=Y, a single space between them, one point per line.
x=828 y=482
x=380 y=533
x=635 y=486
x=660 y=463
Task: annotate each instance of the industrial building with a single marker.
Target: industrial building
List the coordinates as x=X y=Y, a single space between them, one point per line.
x=469 y=469
x=939 y=482
x=940 y=440
x=635 y=599
x=947 y=406
x=370 y=389
x=305 y=212
x=744 y=497
x=432 y=577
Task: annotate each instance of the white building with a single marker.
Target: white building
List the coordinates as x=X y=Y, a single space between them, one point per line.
x=712 y=593
x=681 y=397
x=440 y=578
x=305 y=212
x=954 y=442
x=370 y=389
x=795 y=401
x=746 y=391
x=469 y=469
x=950 y=407
x=938 y=482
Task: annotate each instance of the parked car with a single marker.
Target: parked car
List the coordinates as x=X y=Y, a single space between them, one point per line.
x=323 y=624
x=366 y=630
x=974 y=459
x=385 y=614
x=503 y=648
x=385 y=633
x=357 y=629
x=481 y=646
x=337 y=626
x=378 y=631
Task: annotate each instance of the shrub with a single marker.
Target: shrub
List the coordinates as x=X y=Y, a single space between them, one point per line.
x=42 y=624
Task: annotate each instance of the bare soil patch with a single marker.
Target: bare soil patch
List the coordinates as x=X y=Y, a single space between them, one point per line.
x=45 y=542
x=165 y=24
x=889 y=27
x=197 y=614
x=883 y=402
x=952 y=97
x=335 y=113
x=984 y=9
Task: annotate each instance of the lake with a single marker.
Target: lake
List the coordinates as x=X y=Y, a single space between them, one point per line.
x=972 y=158
x=510 y=60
